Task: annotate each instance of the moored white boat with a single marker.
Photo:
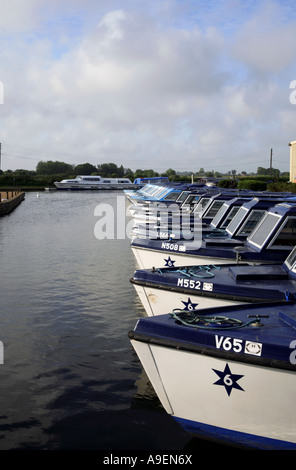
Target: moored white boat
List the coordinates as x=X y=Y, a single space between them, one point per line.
x=193 y=288
x=229 y=374
x=236 y=223
x=180 y=222
x=83 y=182
x=270 y=242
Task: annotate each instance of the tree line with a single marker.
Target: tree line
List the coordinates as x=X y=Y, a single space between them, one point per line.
x=47 y=172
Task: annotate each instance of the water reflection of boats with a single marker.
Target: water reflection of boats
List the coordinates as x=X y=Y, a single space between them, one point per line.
x=145 y=395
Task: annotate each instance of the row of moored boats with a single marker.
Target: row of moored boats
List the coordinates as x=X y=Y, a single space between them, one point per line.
x=217 y=280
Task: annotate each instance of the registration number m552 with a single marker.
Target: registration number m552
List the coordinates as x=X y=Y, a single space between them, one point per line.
x=194 y=284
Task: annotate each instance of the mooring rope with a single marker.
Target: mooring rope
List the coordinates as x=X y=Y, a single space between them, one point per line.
x=194 y=271
x=210 y=322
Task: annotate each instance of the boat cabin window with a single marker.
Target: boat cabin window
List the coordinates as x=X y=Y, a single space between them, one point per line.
x=286 y=237
x=212 y=211
x=159 y=191
x=291 y=261
x=251 y=221
x=172 y=196
x=230 y=216
x=202 y=203
x=219 y=214
x=182 y=196
x=263 y=230
x=147 y=189
x=163 y=191
x=239 y=216
x=191 y=200
x=89 y=178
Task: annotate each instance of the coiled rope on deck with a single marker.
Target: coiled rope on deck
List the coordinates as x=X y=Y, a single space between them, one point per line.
x=208 y=321
x=203 y=271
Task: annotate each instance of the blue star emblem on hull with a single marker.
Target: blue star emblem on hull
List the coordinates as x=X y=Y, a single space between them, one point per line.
x=228 y=380
x=189 y=305
x=169 y=262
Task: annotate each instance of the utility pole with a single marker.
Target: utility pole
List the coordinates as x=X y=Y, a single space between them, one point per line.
x=270 y=165
x=0 y=155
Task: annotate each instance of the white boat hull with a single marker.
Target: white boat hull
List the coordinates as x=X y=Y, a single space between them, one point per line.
x=82 y=182
x=263 y=408
x=147 y=259
x=159 y=301
x=93 y=186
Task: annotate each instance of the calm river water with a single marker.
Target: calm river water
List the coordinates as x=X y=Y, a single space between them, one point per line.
x=70 y=379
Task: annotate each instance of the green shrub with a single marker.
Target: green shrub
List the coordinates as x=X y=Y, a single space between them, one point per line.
x=282 y=186
x=227 y=183
x=253 y=185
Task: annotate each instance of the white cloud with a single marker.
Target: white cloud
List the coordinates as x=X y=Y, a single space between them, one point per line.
x=17 y=16
x=266 y=44
x=143 y=90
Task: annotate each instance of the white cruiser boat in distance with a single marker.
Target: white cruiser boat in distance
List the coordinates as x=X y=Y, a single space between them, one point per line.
x=94 y=182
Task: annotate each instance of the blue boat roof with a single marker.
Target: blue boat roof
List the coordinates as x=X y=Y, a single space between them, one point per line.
x=271 y=240
x=242 y=218
x=154 y=179
x=236 y=282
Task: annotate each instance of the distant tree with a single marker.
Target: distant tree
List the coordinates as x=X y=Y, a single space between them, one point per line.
x=150 y=173
x=282 y=186
x=268 y=171
x=145 y=173
x=170 y=173
x=253 y=185
x=227 y=183
x=107 y=169
x=262 y=171
x=84 y=169
x=120 y=171
x=128 y=173
x=53 y=168
x=285 y=174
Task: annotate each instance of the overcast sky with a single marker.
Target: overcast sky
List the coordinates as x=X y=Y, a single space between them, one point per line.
x=182 y=84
